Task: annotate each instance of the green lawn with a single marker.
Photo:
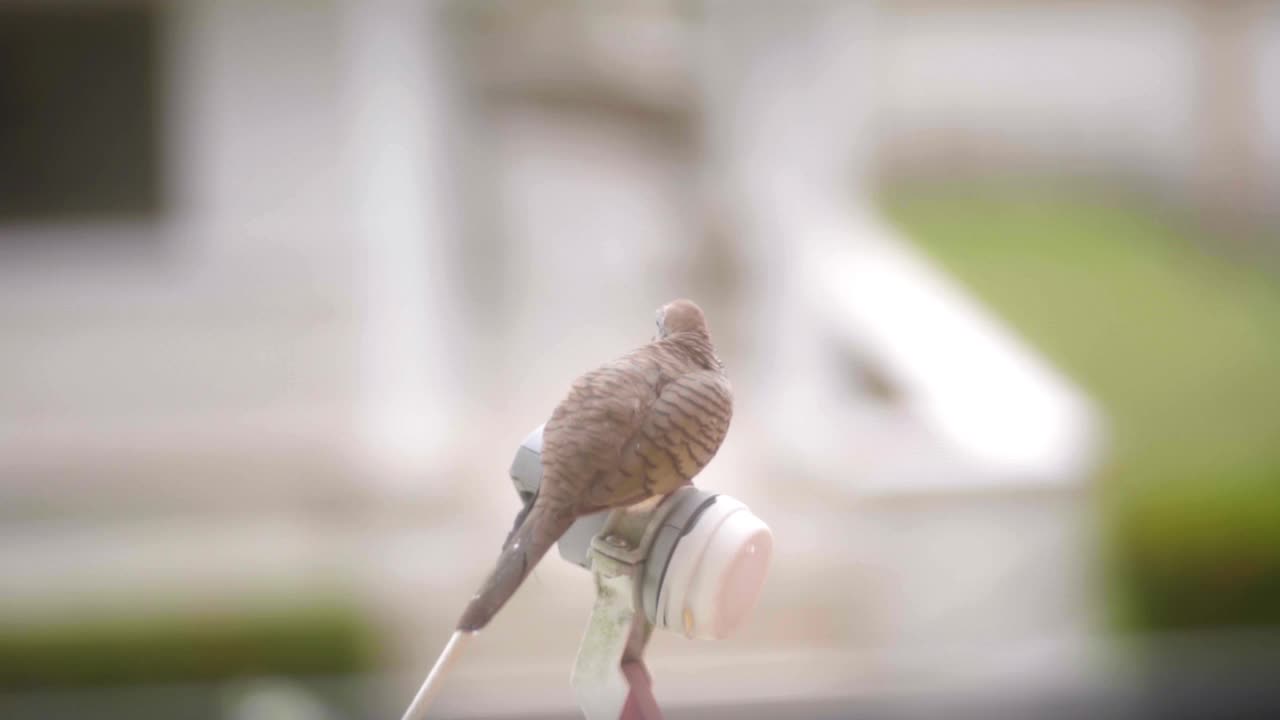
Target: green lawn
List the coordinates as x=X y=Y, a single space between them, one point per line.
x=1182 y=351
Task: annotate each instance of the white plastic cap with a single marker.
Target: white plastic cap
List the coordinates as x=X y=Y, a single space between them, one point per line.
x=716 y=572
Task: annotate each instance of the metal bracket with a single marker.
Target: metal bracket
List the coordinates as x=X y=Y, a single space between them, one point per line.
x=609 y=676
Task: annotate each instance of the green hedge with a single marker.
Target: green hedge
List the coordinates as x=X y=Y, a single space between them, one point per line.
x=319 y=639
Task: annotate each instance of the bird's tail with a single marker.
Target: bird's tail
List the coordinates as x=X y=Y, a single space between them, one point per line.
x=542 y=527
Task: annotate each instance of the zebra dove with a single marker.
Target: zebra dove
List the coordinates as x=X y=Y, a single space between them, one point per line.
x=642 y=425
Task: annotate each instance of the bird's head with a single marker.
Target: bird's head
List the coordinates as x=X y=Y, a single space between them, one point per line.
x=679 y=316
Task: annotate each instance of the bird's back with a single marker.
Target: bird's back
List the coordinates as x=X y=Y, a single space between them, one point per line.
x=639 y=426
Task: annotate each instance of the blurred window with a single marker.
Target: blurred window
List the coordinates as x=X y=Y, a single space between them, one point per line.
x=80 y=120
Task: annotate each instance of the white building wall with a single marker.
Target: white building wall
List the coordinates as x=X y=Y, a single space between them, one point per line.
x=220 y=329
x=1086 y=87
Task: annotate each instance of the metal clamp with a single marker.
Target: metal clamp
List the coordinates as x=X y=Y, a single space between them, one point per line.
x=610 y=679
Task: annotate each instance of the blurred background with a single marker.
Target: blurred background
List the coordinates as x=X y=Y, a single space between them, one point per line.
x=284 y=284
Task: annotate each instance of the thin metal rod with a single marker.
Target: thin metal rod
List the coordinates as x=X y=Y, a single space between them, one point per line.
x=431 y=686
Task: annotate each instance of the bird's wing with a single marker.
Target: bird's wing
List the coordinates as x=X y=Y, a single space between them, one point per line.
x=677 y=436
x=583 y=441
